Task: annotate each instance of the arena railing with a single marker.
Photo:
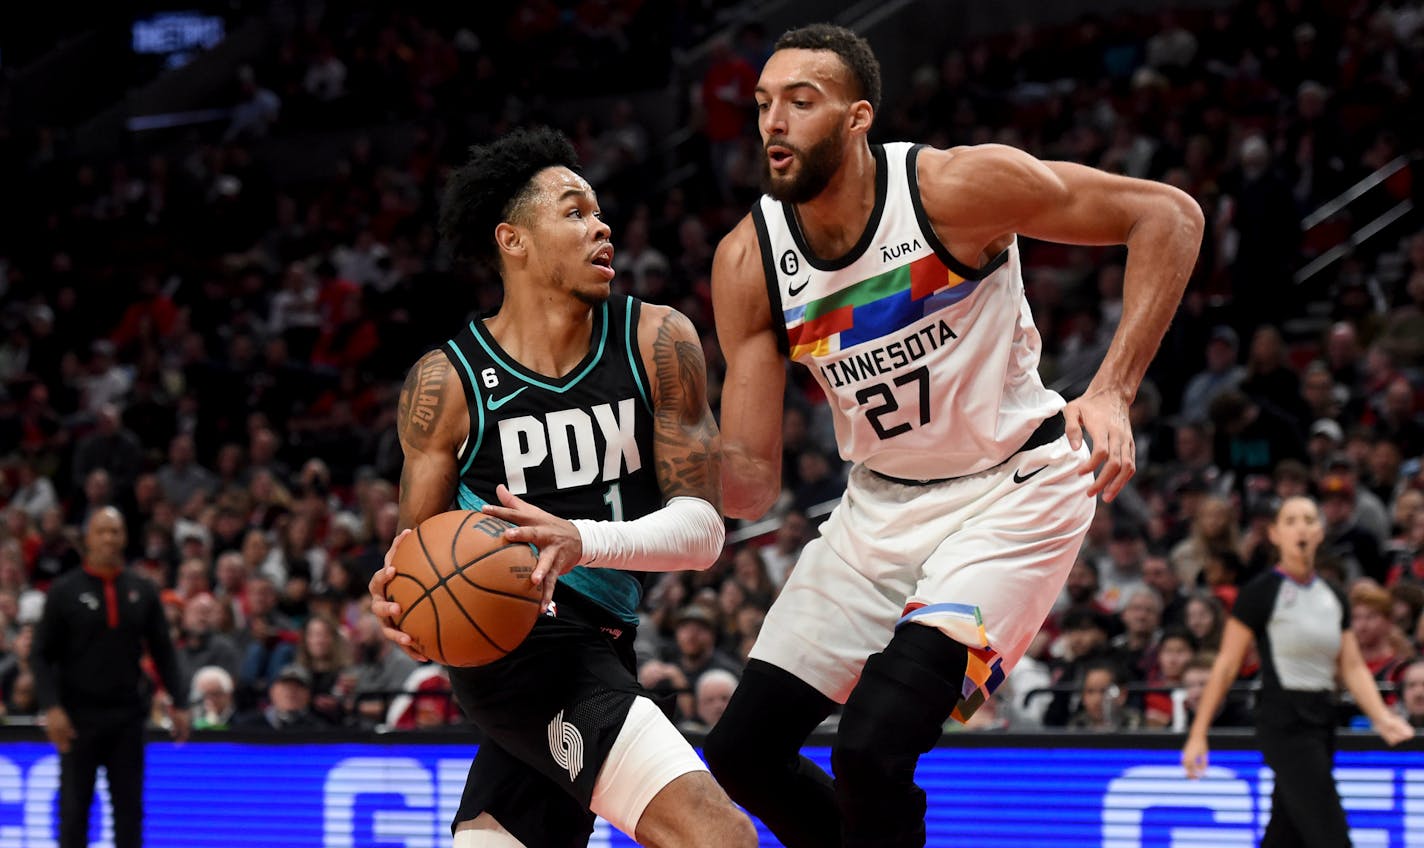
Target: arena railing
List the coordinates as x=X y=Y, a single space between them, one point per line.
x=1342 y=203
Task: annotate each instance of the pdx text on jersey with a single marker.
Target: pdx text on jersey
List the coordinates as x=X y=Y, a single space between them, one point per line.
x=882 y=360
x=568 y=440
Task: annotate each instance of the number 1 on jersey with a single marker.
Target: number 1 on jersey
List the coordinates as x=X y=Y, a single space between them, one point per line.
x=614 y=498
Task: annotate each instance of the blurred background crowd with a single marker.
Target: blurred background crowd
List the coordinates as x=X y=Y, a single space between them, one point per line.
x=205 y=323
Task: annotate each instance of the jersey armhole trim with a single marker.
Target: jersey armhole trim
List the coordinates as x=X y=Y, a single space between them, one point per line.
x=634 y=313
x=476 y=410
x=773 y=284
x=927 y=229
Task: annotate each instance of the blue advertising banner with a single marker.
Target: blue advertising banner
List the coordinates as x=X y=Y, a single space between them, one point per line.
x=382 y=795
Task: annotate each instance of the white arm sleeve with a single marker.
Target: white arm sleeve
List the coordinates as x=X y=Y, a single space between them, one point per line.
x=685 y=535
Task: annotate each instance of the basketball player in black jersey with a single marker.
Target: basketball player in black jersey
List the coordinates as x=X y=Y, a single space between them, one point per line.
x=581 y=417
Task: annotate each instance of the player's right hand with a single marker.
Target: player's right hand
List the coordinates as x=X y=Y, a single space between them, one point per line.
x=1102 y=417
x=59 y=729
x=386 y=610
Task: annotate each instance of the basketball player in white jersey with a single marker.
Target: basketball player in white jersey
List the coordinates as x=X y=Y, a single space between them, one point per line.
x=892 y=273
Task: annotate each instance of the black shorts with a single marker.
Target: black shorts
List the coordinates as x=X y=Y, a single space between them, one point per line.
x=550 y=712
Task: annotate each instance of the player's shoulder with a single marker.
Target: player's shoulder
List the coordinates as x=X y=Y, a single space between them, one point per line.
x=433 y=358
x=657 y=321
x=739 y=251
x=433 y=369
x=984 y=187
x=973 y=165
x=739 y=270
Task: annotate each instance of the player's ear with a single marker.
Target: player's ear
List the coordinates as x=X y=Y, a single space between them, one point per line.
x=510 y=240
x=860 y=117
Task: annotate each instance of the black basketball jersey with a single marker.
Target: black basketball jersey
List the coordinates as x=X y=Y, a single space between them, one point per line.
x=578 y=446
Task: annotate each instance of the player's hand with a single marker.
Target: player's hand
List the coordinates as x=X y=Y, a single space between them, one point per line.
x=182 y=724
x=1194 y=757
x=1102 y=417
x=1393 y=729
x=558 y=541
x=386 y=610
x=59 y=729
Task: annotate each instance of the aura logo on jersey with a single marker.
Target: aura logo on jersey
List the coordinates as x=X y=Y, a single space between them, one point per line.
x=895 y=251
x=567 y=442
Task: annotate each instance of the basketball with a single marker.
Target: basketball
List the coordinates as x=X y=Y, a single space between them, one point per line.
x=464 y=592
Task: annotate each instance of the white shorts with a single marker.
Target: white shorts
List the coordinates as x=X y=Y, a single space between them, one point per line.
x=981 y=557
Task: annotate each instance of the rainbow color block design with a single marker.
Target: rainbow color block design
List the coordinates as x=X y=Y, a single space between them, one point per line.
x=874 y=307
x=963 y=623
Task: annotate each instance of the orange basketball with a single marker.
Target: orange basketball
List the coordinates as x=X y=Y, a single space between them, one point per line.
x=464 y=592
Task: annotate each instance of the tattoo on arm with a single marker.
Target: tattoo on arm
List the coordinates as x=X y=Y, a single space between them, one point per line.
x=422 y=399
x=428 y=474
x=685 y=434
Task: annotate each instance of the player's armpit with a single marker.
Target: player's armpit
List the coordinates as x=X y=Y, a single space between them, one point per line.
x=686 y=443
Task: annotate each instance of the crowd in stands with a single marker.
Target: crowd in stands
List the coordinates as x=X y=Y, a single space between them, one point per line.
x=217 y=353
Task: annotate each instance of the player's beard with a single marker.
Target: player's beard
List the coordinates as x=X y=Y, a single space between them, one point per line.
x=818 y=164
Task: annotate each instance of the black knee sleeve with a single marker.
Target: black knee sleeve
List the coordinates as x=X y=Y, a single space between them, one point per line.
x=766 y=722
x=896 y=713
x=754 y=753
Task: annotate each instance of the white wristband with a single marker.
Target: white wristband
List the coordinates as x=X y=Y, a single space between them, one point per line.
x=686 y=534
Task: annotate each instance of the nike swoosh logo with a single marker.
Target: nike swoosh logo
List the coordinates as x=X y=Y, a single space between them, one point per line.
x=794 y=290
x=1022 y=478
x=494 y=403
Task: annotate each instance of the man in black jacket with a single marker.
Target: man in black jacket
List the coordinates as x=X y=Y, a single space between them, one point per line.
x=97 y=623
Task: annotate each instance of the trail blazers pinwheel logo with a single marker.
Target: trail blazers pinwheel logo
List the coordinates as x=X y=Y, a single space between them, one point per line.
x=566 y=744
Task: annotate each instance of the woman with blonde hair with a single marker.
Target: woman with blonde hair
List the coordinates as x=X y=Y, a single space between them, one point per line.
x=1213 y=530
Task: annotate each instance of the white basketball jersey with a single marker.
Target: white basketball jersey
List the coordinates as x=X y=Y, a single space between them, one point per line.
x=930 y=366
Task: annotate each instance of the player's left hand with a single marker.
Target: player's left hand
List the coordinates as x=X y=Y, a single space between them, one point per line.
x=1102 y=416
x=557 y=540
x=182 y=724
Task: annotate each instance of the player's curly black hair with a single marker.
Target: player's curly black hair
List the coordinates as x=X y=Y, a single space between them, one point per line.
x=494 y=186
x=854 y=51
